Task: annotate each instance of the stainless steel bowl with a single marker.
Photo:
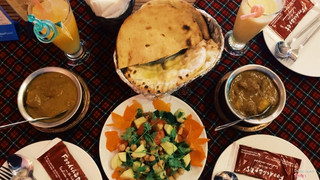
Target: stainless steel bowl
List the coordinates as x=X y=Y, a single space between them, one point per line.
x=23 y=89
x=277 y=81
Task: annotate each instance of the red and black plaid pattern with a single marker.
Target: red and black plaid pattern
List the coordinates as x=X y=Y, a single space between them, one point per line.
x=298 y=123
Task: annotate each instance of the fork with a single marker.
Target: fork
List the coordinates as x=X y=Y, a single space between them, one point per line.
x=295 y=51
x=5 y=173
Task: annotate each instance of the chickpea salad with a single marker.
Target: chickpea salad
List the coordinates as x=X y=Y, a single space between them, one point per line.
x=154 y=147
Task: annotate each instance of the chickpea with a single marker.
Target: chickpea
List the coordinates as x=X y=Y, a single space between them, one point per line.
x=159 y=148
x=147 y=169
x=143 y=142
x=154 y=151
x=141 y=160
x=146 y=157
x=181 y=171
x=171 y=178
x=133 y=147
x=159 y=126
x=152 y=158
x=127 y=149
x=122 y=147
x=176 y=175
x=161 y=163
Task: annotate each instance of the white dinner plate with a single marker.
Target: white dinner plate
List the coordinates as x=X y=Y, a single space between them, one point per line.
x=226 y=161
x=106 y=156
x=84 y=160
x=308 y=62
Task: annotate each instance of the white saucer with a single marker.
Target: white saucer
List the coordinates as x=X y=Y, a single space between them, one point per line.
x=308 y=62
x=84 y=160
x=227 y=159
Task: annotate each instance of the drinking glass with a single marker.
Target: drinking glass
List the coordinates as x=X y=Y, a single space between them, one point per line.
x=54 y=22
x=249 y=23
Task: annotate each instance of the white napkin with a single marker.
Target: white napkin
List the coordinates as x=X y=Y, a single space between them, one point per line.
x=108 y=8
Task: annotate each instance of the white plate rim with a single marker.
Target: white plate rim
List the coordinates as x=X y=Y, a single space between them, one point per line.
x=85 y=161
x=106 y=156
x=262 y=141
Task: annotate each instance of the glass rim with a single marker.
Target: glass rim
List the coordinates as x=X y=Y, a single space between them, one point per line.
x=31 y=4
x=277 y=12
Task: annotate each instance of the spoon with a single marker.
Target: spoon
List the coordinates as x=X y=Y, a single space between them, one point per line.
x=243 y=119
x=283 y=50
x=225 y=175
x=35 y=119
x=21 y=167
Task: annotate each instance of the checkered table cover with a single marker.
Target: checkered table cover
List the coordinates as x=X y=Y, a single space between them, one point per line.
x=298 y=123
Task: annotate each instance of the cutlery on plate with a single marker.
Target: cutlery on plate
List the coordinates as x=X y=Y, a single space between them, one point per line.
x=5 y=173
x=35 y=120
x=243 y=119
x=283 y=49
x=225 y=175
x=20 y=166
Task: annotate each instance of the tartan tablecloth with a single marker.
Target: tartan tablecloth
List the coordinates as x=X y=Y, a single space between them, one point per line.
x=298 y=123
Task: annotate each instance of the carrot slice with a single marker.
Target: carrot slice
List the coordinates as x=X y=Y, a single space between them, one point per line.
x=117 y=172
x=197 y=156
x=118 y=121
x=131 y=111
x=193 y=127
x=161 y=105
x=113 y=140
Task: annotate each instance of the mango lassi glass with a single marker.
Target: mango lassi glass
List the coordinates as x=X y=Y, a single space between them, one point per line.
x=248 y=24
x=66 y=34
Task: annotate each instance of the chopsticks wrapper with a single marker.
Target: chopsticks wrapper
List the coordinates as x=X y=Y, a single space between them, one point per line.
x=266 y=165
x=287 y=20
x=108 y=8
x=59 y=163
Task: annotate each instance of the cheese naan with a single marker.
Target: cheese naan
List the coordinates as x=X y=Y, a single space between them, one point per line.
x=159 y=78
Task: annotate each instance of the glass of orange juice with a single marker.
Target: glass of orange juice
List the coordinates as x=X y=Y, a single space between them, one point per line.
x=54 y=22
x=252 y=17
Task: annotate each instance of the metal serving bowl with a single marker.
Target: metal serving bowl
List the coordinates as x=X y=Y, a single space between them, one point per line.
x=22 y=95
x=275 y=111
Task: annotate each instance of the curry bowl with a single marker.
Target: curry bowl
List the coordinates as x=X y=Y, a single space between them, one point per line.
x=250 y=89
x=48 y=91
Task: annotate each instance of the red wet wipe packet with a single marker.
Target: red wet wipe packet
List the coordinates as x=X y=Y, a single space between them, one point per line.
x=59 y=163
x=266 y=165
x=294 y=10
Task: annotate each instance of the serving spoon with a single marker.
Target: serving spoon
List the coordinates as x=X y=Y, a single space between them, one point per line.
x=35 y=119
x=265 y=111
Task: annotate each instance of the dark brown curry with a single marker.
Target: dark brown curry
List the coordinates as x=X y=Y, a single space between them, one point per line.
x=50 y=93
x=252 y=91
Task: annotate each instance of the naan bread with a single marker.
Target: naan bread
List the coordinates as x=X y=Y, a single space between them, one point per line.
x=160 y=28
x=159 y=78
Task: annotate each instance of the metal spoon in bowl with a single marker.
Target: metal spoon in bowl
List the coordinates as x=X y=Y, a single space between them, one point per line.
x=225 y=175
x=243 y=119
x=35 y=119
x=21 y=167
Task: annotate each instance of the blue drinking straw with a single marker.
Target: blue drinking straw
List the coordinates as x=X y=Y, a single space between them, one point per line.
x=48 y=26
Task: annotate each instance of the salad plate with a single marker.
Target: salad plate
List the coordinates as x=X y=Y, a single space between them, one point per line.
x=227 y=159
x=106 y=156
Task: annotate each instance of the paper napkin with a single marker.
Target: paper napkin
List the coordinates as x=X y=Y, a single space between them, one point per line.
x=108 y=8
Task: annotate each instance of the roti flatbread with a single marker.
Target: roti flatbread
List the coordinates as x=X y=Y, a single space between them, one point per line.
x=159 y=29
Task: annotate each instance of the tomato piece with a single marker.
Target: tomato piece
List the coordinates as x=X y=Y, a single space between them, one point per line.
x=140 y=129
x=159 y=136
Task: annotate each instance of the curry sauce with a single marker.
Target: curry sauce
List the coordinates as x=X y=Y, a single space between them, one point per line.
x=251 y=92
x=49 y=94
